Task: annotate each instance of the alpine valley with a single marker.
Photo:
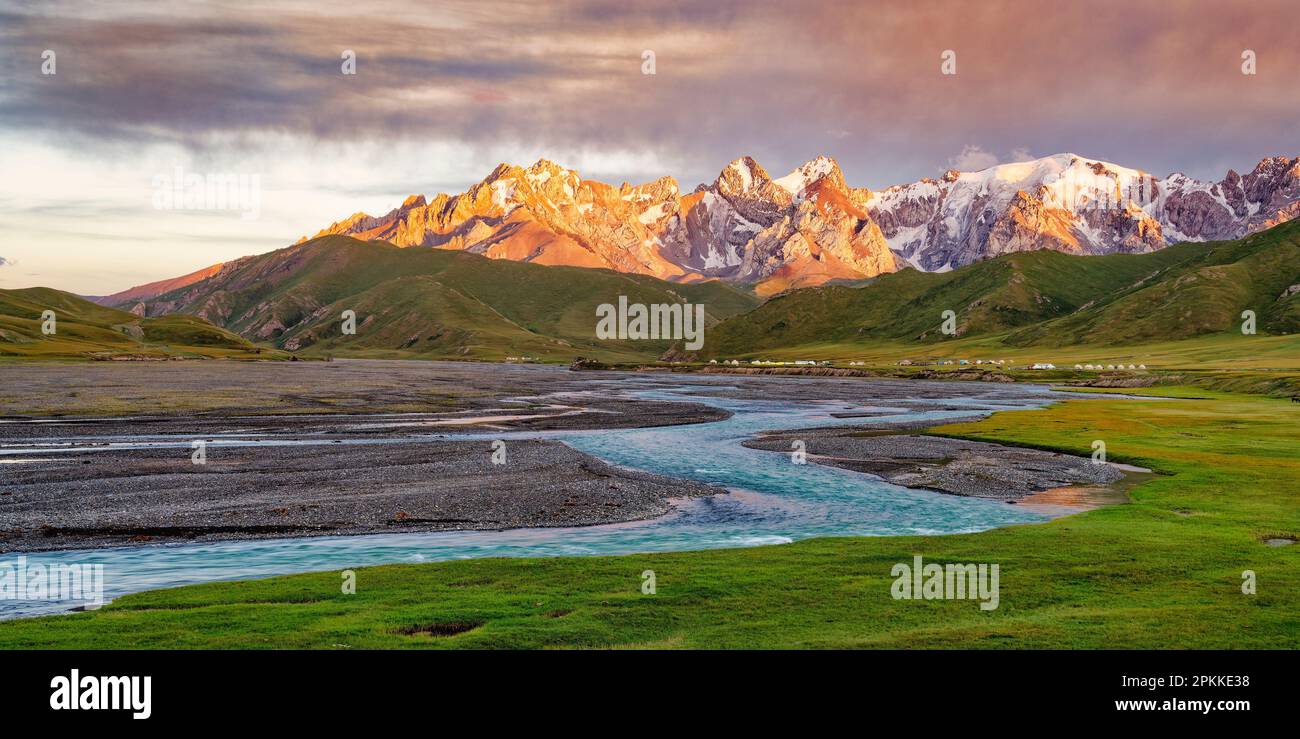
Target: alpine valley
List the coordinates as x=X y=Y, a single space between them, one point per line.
x=516 y=265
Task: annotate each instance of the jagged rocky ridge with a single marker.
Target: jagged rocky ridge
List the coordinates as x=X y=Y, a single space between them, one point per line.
x=809 y=227
x=805 y=228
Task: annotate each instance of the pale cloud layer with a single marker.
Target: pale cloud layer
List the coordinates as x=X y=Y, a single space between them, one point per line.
x=972 y=158
x=445 y=91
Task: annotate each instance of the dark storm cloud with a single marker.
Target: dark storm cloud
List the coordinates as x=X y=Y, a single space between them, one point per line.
x=1148 y=85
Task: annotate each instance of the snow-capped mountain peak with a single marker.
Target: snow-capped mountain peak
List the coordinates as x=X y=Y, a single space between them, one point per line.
x=810 y=172
x=741 y=177
x=1071 y=203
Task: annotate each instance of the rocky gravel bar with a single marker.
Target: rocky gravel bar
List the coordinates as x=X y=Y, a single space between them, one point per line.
x=72 y=500
x=970 y=468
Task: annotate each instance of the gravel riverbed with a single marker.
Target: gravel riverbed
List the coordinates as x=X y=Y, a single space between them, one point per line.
x=378 y=446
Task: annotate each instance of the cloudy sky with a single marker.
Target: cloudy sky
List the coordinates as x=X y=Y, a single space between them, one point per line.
x=444 y=91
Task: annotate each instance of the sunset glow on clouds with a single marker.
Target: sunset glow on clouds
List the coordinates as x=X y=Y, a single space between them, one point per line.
x=444 y=91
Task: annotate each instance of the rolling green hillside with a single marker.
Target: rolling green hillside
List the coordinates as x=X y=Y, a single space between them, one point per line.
x=83 y=329
x=415 y=302
x=1204 y=293
x=1044 y=298
x=430 y=303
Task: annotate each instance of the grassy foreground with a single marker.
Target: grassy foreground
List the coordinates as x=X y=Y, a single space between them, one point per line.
x=1162 y=572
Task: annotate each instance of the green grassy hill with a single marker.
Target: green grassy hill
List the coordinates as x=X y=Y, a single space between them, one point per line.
x=1204 y=292
x=430 y=303
x=83 y=329
x=1044 y=298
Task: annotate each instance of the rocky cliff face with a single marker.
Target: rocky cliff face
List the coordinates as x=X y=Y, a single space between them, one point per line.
x=802 y=229
x=133 y=297
x=810 y=227
x=545 y=214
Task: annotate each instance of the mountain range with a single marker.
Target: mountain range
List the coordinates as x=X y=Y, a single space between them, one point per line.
x=809 y=227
